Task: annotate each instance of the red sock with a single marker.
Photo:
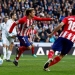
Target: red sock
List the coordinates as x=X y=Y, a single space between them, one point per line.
x=21 y=50
x=32 y=50
x=50 y=54
x=55 y=60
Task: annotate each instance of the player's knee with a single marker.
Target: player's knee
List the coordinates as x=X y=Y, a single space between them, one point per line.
x=29 y=47
x=4 y=45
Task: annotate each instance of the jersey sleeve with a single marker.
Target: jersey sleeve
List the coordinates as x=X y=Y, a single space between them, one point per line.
x=64 y=21
x=20 y=21
x=42 y=19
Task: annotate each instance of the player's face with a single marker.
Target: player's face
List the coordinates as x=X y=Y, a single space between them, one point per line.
x=6 y=19
x=32 y=14
x=14 y=16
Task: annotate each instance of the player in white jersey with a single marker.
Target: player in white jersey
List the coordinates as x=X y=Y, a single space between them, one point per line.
x=4 y=39
x=10 y=36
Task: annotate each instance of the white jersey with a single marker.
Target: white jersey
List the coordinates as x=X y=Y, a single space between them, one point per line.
x=9 y=35
x=9 y=24
x=3 y=28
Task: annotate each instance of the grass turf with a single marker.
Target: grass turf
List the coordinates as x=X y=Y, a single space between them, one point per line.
x=29 y=65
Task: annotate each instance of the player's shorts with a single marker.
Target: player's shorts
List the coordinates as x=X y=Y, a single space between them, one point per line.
x=4 y=40
x=9 y=41
x=24 y=41
x=63 y=45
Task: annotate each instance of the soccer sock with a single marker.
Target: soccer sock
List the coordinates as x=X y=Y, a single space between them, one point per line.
x=21 y=50
x=4 y=52
x=32 y=50
x=50 y=54
x=8 y=54
x=55 y=60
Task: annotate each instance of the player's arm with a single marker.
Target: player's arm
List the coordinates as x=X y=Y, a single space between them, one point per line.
x=42 y=19
x=21 y=21
x=58 y=27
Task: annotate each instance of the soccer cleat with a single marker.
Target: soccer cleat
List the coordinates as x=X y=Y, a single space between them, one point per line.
x=15 y=63
x=46 y=65
x=34 y=55
x=4 y=58
x=46 y=69
x=8 y=60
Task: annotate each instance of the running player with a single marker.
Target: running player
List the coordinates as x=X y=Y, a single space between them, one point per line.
x=65 y=41
x=26 y=23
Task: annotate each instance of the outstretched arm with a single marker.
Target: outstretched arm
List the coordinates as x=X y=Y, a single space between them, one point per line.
x=56 y=29
x=42 y=19
x=64 y=21
x=21 y=21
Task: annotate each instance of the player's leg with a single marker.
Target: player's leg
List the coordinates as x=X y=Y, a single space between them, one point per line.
x=10 y=48
x=25 y=45
x=56 y=46
x=32 y=49
x=67 y=45
x=56 y=60
x=4 y=41
x=4 y=51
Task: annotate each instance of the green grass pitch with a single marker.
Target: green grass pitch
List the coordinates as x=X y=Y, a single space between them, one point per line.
x=29 y=65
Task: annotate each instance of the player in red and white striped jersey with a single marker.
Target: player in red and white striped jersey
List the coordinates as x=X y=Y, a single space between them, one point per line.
x=65 y=41
x=26 y=23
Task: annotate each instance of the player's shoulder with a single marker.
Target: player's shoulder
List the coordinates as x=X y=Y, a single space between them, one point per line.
x=71 y=17
x=24 y=17
x=9 y=20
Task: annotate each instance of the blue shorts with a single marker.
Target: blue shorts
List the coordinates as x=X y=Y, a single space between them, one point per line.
x=24 y=41
x=63 y=45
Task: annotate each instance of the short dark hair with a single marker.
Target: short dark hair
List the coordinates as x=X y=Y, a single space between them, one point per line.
x=73 y=11
x=6 y=17
x=29 y=10
x=11 y=14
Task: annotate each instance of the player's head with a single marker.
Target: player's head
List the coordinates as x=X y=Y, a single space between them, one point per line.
x=73 y=11
x=13 y=15
x=6 y=18
x=30 y=12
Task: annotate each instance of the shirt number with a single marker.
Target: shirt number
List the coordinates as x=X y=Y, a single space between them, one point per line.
x=71 y=26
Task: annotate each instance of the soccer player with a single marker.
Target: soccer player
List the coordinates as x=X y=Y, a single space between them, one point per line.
x=10 y=36
x=65 y=41
x=26 y=22
x=4 y=40
x=31 y=32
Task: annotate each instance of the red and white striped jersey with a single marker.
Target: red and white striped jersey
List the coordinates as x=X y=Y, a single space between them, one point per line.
x=23 y=29
x=25 y=24
x=69 y=28
x=31 y=32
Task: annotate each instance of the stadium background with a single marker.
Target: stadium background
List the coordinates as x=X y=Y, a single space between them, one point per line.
x=29 y=65
x=57 y=9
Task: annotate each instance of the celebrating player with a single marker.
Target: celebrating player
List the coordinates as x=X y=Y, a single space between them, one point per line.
x=65 y=41
x=25 y=22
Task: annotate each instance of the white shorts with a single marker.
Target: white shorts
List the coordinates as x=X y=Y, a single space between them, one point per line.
x=7 y=39
x=4 y=40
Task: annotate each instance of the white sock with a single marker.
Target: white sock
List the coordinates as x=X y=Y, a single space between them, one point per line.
x=8 y=54
x=4 y=52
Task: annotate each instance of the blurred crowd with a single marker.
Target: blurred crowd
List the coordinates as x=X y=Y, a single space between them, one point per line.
x=57 y=9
